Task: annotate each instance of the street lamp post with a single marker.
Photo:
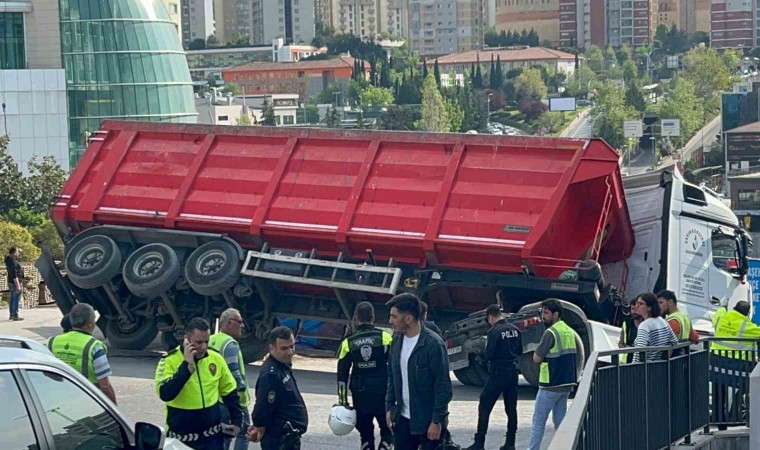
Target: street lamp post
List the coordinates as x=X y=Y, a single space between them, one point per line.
x=489 y=107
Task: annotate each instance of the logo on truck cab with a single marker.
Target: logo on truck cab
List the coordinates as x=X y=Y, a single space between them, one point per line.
x=694 y=243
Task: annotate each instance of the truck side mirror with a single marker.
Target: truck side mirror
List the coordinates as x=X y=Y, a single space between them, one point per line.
x=148 y=436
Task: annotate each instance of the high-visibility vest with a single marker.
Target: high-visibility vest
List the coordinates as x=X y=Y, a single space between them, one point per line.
x=685 y=323
x=211 y=380
x=717 y=316
x=561 y=363
x=219 y=342
x=76 y=348
x=735 y=325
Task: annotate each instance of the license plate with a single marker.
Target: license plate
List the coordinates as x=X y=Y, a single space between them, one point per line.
x=454 y=350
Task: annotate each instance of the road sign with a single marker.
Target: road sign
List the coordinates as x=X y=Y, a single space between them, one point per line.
x=562 y=104
x=670 y=127
x=633 y=129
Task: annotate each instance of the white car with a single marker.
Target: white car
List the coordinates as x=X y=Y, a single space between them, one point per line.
x=47 y=405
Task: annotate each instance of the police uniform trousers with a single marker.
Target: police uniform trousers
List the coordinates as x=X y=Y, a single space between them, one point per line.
x=371 y=406
x=501 y=383
x=276 y=441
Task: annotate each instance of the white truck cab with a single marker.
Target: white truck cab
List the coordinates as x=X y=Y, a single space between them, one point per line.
x=687 y=241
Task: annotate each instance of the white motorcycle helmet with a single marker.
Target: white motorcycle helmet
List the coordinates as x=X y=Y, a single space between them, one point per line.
x=342 y=420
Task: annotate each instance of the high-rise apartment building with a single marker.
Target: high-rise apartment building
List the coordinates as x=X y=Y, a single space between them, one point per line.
x=292 y=20
x=606 y=22
x=541 y=16
x=233 y=20
x=368 y=18
x=733 y=24
x=448 y=26
x=197 y=20
x=687 y=15
x=174 y=9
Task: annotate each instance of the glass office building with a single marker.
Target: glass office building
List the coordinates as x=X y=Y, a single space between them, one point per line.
x=123 y=60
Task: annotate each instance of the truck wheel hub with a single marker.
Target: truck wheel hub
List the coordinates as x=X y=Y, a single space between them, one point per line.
x=148 y=265
x=211 y=263
x=91 y=256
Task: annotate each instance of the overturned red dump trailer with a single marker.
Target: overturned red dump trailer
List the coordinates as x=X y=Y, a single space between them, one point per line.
x=448 y=212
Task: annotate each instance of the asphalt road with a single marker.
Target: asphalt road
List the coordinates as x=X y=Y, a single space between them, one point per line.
x=133 y=380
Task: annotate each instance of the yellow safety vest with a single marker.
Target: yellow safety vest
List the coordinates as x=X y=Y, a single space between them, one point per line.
x=717 y=316
x=685 y=323
x=735 y=325
x=76 y=349
x=211 y=380
x=219 y=342
x=560 y=364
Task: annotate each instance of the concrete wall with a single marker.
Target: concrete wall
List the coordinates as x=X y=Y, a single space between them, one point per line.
x=35 y=114
x=43 y=35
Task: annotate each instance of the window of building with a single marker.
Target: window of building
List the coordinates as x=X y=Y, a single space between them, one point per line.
x=222 y=118
x=288 y=120
x=12 y=48
x=749 y=199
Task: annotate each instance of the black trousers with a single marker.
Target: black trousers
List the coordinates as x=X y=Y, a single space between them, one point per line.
x=371 y=407
x=403 y=439
x=503 y=383
x=213 y=443
x=276 y=441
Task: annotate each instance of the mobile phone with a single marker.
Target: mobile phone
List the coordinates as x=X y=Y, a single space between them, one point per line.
x=185 y=343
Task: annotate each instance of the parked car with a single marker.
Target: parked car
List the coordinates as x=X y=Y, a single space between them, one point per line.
x=50 y=406
x=584 y=103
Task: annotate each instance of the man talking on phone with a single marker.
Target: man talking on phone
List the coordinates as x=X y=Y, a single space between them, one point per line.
x=191 y=379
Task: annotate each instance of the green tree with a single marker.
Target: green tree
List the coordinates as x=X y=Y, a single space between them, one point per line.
x=25 y=217
x=474 y=103
x=232 y=89
x=634 y=97
x=708 y=72
x=10 y=179
x=579 y=82
x=400 y=117
x=212 y=41
x=44 y=182
x=268 y=117
x=609 y=113
x=332 y=117
x=595 y=58
x=45 y=235
x=683 y=104
x=530 y=85
x=455 y=114
x=14 y=235
x=244 y=120
x=437 y=73
x=434 y=114
x=376 y=97
x=197 y=44
x=630 y=73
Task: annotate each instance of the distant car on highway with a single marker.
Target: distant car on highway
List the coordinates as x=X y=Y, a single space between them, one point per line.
x=583 y=102
x=47 y=405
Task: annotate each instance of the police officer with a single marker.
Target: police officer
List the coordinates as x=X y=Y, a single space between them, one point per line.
x=85 y=353
x=279 y=414
x=191 y=380
x=503 y=346
x=224 y=342
x=364 y=355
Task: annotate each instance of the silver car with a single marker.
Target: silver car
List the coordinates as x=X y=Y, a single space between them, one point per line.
x=47 y=405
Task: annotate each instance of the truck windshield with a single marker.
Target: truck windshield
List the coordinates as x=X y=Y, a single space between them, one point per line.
x=725 y=252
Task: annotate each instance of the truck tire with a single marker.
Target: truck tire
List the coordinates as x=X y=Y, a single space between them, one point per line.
x=93 y=261
x=213 y=268
x=169 y=340
x=529 y=370
x=151 y=270
x=532 y=371
x=131 y=336
x=473 y=375
x=253 y=348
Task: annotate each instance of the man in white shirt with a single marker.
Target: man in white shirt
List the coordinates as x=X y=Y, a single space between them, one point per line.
x=419 y=387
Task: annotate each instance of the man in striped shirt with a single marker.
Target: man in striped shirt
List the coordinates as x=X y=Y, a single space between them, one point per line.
x=653 y=331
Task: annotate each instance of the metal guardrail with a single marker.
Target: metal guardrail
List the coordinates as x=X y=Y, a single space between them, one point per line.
x=652 y=405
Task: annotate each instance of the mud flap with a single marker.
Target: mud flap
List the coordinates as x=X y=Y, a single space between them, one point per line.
x=57 y=284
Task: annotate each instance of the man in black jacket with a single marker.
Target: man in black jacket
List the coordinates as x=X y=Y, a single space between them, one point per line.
x=279 y=415
x=503 y=347
x=419 y=387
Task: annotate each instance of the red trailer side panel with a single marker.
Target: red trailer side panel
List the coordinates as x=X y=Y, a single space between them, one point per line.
x=494 y=203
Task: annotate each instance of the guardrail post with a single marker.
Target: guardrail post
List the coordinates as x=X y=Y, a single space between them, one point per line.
x=754 y=408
